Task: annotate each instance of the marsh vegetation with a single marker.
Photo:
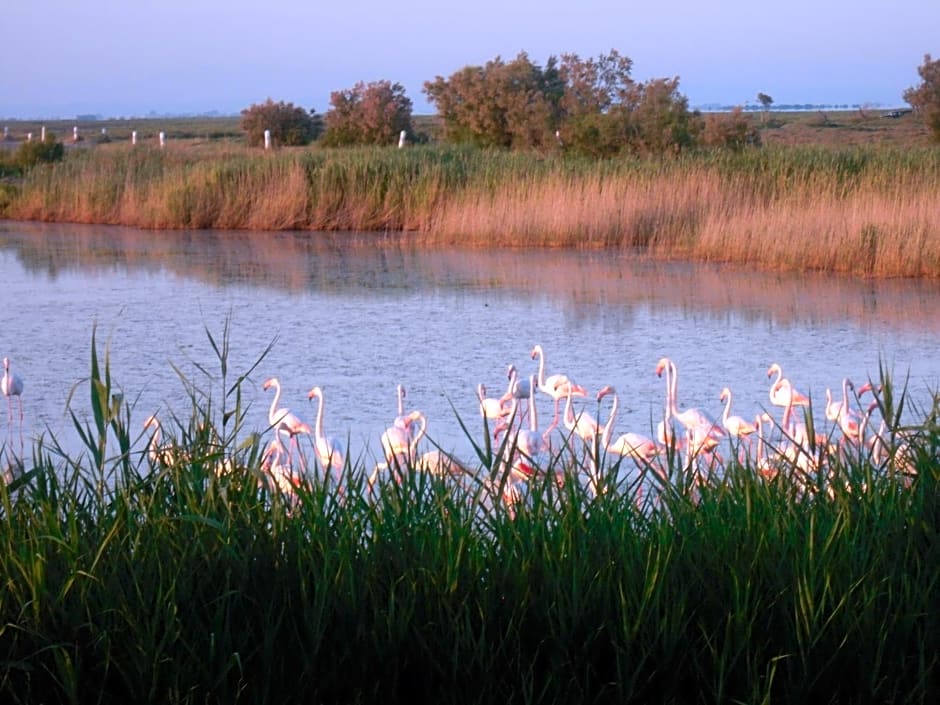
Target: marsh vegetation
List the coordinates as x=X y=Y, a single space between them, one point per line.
x=181 y=572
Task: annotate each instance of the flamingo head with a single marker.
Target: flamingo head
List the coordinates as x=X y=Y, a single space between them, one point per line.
x=725 y=393
x=867 y=387
x=773 y=369
x=604 y=392
x=536 y=351
x=315 y=392
x=268 y=383
x=661 y=365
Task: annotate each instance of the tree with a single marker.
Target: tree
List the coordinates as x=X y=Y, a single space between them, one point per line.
x=925 y=98
x=500 y=104
x=658 y=119
x=766 y=101
x=593 y=89
x=36 y=152
x=368 y=113
x=289 y=125
x=732 y=131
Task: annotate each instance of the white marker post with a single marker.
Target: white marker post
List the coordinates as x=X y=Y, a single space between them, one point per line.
x=75 y=134
x=29 y=136
x=42 y=133
x=162 y=139
x=401 y=139
x=133 y=136
x=267 y=139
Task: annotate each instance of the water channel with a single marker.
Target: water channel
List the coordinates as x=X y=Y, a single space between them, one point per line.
x=359 y=313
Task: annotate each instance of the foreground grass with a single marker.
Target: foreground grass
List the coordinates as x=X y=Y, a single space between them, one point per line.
x=868 y=211
x=128 y=579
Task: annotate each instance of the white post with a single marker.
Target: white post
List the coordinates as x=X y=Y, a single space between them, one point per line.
x=6 y=132
x=75 y=134
x=133 y=136
x=42 y=133
x=267 y=139
x=29 y=136
x=163 y=139
x=104 y=131
x=401 y=139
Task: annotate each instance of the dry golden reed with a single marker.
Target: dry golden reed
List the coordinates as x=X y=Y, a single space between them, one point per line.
x=867 y=211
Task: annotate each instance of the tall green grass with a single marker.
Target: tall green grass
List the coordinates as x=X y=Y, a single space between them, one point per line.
x=128 y=579
x=868 y=211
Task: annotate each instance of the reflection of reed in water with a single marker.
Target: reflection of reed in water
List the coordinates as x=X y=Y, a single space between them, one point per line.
x=297 y=261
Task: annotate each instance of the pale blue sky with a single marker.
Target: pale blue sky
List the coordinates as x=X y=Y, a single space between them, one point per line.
x=130 y=57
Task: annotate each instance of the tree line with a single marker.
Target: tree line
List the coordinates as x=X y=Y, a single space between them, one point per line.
x=587 y=106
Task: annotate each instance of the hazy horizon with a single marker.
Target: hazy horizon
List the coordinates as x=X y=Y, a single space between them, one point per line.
x=193 y=57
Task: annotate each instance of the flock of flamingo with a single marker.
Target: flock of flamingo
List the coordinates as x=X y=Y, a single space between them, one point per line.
x=524 y=450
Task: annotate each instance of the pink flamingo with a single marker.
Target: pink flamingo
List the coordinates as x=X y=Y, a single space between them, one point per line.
x=330 y=451
x=703 y=431
x=780 y=394
x=557 y=386
x=491 y=409
x=399 y=442
x=518 y=389
x=736 y=426
x=630 y=444
x=283 y=420
x=584 y=425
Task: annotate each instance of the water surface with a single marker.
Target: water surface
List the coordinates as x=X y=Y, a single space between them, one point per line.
x=359 y=313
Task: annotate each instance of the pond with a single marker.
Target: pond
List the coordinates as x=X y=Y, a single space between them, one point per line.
x=359 y=313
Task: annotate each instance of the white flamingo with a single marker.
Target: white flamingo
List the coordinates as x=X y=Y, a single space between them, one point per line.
x=491 y=409
x=12 y=386
x=518 y=389
x=283 y=420
x=399 y=442
x=329 y=450
x=156 y=451
x=278 y=474
x=556 y=386
x=525 y=451
x=703 y=431
x=633 y=445
x=781 y=394
x=736 y=426
x=583 y=425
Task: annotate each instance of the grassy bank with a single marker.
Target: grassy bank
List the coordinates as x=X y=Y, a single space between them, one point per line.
x=174 y=576
x=868 y=211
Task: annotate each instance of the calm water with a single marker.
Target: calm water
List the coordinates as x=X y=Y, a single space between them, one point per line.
x=358 y=314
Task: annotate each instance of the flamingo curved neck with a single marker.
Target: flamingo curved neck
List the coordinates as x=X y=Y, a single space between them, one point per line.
x=272 y=412
x=319 y=423
x=608 y=427
x=533 y=413
x=541 y=376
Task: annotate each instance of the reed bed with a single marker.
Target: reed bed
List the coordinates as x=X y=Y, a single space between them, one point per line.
x=865 y=211
x=179 y=575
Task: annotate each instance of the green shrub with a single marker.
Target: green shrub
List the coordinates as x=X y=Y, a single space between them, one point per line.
x=36 y=152
x=290 y=125
x=368 y=114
